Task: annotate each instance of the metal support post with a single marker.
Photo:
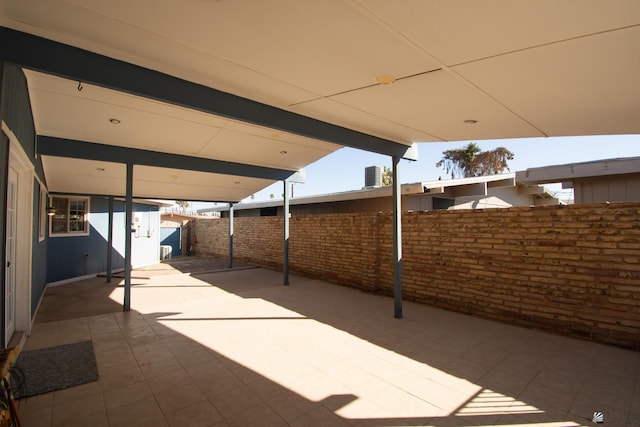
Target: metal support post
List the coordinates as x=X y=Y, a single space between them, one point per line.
x=128 y=222
x=397 y=240
x=110 y=241
x=285 y=213
x=230 y=235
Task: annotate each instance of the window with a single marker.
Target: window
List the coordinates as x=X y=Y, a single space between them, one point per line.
x=71 y=216
x=42 y=214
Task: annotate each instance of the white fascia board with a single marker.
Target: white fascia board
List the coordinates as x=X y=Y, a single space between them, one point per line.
x=572 y=171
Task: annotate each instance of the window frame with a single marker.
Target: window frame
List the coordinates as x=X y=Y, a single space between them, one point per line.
x=86 y=214
x=42 y=214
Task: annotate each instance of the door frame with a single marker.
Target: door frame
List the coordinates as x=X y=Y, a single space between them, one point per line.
x=19 y=161
x=9 y=326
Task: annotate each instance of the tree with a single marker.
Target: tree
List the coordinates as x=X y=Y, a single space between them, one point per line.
x=387 y=176
x=183 y=205
x=471 y=161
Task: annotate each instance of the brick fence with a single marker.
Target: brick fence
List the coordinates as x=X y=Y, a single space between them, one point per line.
x=573 y=270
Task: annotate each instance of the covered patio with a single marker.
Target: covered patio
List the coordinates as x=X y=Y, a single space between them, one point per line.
x=236 y=348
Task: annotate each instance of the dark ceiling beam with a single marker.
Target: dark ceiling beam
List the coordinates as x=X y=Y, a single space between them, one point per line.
x=59 y=147
x=73 y=63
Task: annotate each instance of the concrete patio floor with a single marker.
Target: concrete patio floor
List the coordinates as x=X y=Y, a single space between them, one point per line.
x=237 y=348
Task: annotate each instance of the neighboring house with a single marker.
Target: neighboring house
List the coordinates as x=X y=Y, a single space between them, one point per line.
x=496 y=191
x=610 y=180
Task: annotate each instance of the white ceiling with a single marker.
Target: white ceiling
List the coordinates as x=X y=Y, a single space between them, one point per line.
x=520 y=68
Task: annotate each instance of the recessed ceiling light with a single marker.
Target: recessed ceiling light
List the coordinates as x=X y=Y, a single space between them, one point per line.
x=114 y=121
x=100 y=169
x=385 y=79
x=471 y=122
x=237 y=182
x=283 y=152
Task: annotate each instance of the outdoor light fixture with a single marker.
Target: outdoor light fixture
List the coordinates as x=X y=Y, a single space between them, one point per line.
x=114 y=121
x=385 y=79
x=51 y=211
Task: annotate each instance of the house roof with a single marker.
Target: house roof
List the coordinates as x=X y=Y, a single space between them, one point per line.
x=473 y=186
x=317 y=76
x=571 y=171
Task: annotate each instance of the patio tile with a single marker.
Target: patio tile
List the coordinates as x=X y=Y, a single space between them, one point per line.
x=145 y=413
x=260 y=415
x=125 y=395
x=347 y=362
x=235 y=402
x=201 y=414
x=66 y=412
x=180 y=397
x=115 y=360
x=267 y=389
x=116 y=343
x=221 y=384
x=74 y=393
x=170 y=381
x=121 y=378
x=289 y=405
x=504 y=382
x=36 y=417
x=96 y=420
x=319 y=417
x=208 y=369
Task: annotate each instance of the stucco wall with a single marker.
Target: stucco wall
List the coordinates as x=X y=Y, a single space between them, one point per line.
x=573 y=270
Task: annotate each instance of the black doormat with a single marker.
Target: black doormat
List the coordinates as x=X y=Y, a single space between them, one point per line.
x=55 y=368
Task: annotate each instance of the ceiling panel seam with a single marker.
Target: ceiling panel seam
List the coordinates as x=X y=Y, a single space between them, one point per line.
x=542 y=45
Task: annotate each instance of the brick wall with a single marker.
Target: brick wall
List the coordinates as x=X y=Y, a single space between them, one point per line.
x=573 y=270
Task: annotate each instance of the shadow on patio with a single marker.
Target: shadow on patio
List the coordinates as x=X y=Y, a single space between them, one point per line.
x=238 y=348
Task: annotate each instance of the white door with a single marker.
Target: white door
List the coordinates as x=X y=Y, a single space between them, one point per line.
x=10 y=275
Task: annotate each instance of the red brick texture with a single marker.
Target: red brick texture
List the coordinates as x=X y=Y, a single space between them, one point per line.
x=573 y=270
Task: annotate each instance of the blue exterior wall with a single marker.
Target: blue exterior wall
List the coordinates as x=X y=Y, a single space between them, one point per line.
x=15 y=111
x=78 y=256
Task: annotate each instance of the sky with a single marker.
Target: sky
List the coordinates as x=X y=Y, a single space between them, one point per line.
x=343 y=170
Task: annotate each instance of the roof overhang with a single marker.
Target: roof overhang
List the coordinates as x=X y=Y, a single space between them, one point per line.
x=573 y=171
x=274 y=88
